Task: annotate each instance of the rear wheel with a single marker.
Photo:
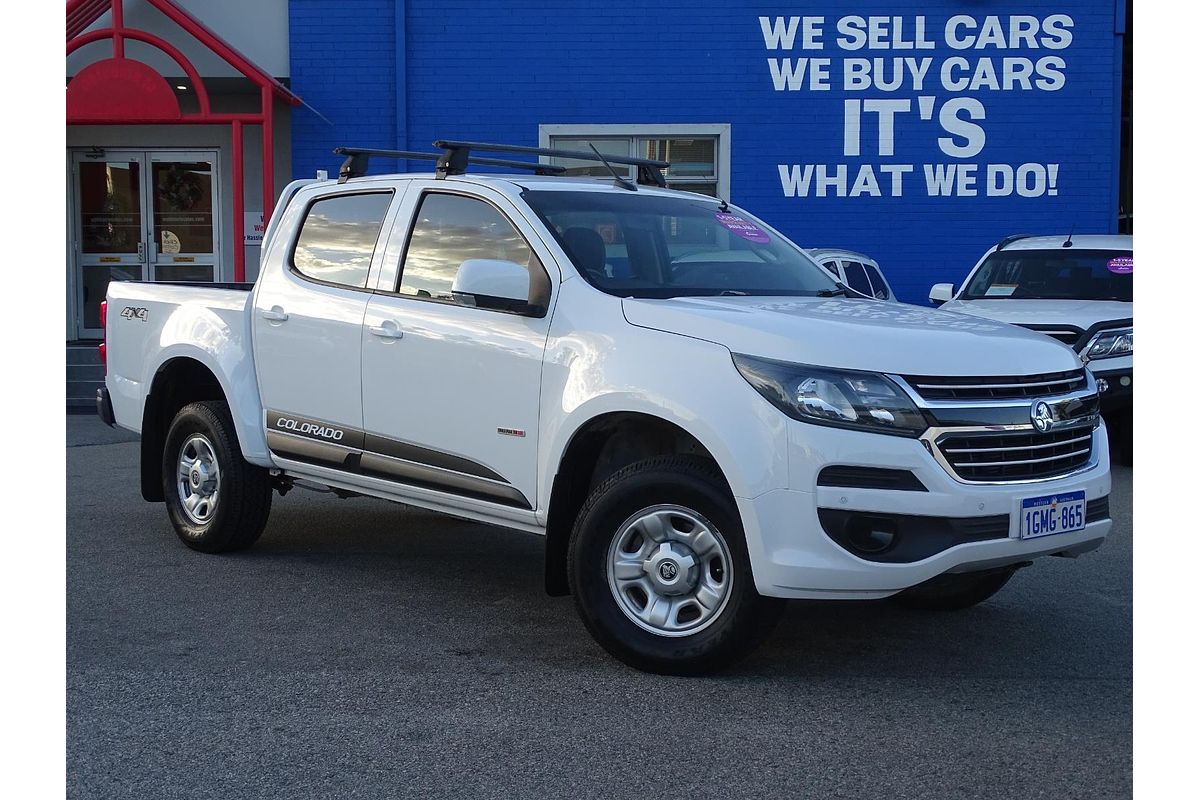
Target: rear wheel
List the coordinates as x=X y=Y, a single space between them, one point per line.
x=660 y=573
x=216 y=500
x=954 y=591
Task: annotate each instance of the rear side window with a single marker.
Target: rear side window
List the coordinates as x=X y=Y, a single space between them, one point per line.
x=877 y=282
x=337 y=239
x=856 y=278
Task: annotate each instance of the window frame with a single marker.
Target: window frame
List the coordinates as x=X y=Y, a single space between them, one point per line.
x=639 y=132
x=541 y=276
x=291 y=255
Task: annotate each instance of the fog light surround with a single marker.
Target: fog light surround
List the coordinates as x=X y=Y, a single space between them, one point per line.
x=870 y=534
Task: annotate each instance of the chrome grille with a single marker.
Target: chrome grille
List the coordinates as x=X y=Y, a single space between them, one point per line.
x=1016 y=456
x=1010 y=387
x=1068 y=336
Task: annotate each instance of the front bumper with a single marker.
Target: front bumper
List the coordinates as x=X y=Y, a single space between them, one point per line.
x=792 y=555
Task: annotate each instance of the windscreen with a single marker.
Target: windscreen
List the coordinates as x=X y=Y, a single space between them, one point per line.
x=638 y=244
x=1060 y=274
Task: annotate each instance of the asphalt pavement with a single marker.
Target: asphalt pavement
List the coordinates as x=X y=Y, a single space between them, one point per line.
x=366 y=649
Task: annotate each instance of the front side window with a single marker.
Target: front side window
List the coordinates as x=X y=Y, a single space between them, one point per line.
x=1060 y=274
x=338 y=236
x=450 y=230
x=833 y=269
x=643 y=244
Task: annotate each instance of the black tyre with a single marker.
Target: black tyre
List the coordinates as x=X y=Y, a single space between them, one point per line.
x=216 y=500
x=954 y=591
x=659 y=570
x=1120 y=437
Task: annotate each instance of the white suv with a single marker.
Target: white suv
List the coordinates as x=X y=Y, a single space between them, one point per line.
x=1076 y=289
x=855 y=270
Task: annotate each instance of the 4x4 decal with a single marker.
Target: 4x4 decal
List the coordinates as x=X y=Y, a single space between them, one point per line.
x=134 y=312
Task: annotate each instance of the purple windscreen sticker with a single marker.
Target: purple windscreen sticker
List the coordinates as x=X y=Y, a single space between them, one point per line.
x=1121 y=265
x=743 y=227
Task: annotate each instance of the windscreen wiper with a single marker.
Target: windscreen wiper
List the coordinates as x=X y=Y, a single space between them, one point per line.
x=838 y=292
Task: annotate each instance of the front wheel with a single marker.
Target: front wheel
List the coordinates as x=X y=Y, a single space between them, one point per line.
x=217 y=501
x=660 y=573
x=954 y=591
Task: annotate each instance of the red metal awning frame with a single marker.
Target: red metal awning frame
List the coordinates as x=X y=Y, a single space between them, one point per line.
x=121 y=91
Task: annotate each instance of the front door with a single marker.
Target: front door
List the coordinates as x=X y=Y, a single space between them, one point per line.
x=450 y=391
x=140 y=215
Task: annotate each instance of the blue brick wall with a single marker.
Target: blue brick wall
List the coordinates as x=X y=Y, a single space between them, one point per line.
x=493 y=71
x=343 y=63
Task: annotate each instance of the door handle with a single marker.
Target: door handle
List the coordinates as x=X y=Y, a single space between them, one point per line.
x=274 y=314
x=387 y=330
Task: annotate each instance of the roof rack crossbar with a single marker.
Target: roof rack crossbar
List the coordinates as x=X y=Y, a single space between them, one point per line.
x=457 y=154
x=358 y=158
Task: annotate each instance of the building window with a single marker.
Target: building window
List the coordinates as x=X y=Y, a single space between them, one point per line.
x=699 y=154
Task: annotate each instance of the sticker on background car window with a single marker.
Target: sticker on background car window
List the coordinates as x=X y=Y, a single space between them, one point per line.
x=740 y=226
x=1121 y=265
x=1000 y=290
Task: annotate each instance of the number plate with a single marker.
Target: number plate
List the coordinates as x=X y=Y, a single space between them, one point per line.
x=1053 y=513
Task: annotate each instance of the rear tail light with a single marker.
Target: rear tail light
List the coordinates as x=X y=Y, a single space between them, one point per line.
x=103 y=348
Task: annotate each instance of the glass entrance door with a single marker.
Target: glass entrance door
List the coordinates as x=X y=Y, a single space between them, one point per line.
x=111 y=240
x=182 y=223
x=141 y=215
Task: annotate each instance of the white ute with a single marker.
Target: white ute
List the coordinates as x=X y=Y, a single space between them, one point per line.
x=677 y=397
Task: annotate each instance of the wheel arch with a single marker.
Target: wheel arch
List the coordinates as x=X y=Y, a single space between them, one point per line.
x=600 y=446
x=186 y=375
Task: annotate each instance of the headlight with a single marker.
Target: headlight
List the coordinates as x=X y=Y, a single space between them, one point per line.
x=841 y=398
x=1109 y=344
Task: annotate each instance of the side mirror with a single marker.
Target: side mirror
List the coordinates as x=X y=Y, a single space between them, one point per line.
x=941 y=293
x=494 y=283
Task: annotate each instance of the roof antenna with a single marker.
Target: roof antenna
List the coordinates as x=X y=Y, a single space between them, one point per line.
x=618 y=181
x=1068 y=242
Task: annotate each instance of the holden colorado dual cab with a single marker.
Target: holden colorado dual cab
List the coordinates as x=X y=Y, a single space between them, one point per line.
x=1076 y=289
x=689 y=409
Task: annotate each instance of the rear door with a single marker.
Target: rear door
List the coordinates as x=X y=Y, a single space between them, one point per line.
x=451 y=391
x=308 y=315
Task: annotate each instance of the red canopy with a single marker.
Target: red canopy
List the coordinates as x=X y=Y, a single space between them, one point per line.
x=123 y=91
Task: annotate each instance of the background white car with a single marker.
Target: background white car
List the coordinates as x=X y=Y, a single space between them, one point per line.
x=860 y=272
x=1077 y=289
